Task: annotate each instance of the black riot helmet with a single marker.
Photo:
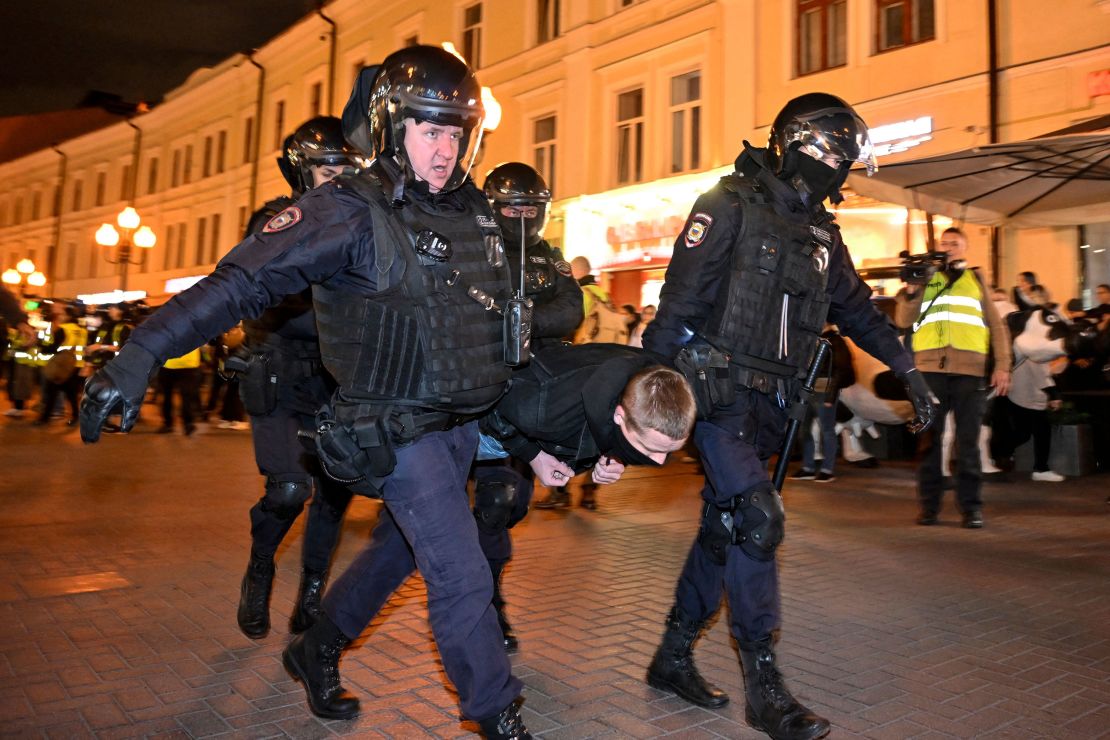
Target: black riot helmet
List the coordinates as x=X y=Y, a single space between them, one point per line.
x=317 y=141
x=427 y=84
x=814 y=140
x=517 y=184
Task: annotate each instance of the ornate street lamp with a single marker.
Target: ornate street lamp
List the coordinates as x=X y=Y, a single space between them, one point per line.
x=24 y=274
x=133 y=235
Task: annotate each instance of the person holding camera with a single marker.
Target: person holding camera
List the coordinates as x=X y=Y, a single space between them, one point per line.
x=955 y=332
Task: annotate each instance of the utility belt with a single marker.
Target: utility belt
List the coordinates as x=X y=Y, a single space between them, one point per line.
x=715 y=376
x=356 y=445
x=261 y=372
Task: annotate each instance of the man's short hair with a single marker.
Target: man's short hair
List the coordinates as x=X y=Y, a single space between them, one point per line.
x=954 y=230
x=659 y=398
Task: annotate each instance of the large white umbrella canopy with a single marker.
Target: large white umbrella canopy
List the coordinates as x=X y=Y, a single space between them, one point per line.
x=1050 y=181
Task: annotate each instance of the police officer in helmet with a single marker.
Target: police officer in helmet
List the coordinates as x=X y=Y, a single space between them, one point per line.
x=401 y=247
x=503 y=488
x=758 y=269
x=282 y=384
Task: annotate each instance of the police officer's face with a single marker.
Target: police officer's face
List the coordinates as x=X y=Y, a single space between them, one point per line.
x=432 y=151
x=322 y=173
x=650 y=442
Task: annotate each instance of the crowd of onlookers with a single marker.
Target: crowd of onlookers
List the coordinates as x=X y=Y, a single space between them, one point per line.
x=44 y=371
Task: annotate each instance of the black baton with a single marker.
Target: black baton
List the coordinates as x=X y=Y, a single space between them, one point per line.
x=798 y=412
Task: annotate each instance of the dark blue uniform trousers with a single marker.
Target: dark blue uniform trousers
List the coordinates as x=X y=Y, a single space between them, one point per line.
x=427 y=524
x=733 y=464
x=279 y=452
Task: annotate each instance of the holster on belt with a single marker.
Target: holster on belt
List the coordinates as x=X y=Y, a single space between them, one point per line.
x=358 y=455
x=707 y=370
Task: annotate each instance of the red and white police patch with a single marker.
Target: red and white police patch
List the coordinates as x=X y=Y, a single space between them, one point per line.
x=289 y=217
x=697 y=229
x=563 y=268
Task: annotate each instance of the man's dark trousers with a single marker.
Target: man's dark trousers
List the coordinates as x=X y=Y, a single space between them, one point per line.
x=427 y=524
x=965 y=396
x=733 y=464
x=279 y=452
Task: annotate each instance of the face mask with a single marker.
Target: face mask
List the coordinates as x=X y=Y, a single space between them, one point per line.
x=624 y=451
x=820 y=180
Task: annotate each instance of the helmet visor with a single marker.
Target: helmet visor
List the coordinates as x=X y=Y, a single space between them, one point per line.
x=834 y=136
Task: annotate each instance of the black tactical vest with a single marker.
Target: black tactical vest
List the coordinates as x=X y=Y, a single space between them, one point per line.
x=771 y=310
x=422 y=342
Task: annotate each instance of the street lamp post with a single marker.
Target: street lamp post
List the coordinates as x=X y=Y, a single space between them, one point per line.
x=133 y=235
x=24 y=274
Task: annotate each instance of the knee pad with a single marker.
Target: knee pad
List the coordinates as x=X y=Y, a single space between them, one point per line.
x=493 y=505
x=285 y=498
x=715 y=534
x=762 y=521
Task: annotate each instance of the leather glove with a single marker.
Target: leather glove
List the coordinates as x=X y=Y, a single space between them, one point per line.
x=117 y=388
x=923 y=400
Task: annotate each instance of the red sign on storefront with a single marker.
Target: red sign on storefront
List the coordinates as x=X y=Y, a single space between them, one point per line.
x=1098 y=83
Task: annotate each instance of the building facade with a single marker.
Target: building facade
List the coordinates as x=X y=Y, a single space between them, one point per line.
x=630 y=108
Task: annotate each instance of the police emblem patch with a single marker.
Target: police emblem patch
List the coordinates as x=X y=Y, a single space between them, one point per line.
x=698 y=228
x=486 y=222
x=563 y=268
x=289 y=217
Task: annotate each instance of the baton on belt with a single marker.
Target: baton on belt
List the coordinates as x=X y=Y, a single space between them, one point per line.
x=798 y=412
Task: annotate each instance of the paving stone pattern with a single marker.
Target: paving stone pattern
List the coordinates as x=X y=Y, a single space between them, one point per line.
x=123 y=561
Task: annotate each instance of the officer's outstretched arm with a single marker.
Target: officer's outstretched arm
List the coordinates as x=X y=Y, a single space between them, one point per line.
x=255 y=275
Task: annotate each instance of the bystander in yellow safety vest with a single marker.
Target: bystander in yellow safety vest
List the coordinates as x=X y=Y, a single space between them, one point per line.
x=952 y=316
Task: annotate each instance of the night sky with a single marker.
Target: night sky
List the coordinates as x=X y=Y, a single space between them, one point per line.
x=55 y=51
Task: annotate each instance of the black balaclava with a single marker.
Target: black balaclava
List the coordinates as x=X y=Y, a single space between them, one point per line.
x=814 y=180
x=624 y=451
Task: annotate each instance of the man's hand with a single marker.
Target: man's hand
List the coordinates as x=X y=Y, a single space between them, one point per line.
x=923 y=400
x=547 y=468
x=103 y=398
x=607 y=470
x=118 y=388
x=1000 y=381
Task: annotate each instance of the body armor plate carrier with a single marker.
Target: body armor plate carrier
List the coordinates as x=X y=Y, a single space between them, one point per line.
x=422 y=342
x=775 y=304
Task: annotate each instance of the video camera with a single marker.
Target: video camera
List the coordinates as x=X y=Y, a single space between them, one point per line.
x=918 y=268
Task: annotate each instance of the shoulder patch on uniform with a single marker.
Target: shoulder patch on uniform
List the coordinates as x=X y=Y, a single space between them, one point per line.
x=821 y=235
x=486 y=222
x=287 y=218
x=563 y=268
x=537 y=260
x=697 y=229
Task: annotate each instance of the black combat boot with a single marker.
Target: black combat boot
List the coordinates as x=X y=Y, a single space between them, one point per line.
x=313 y=659
x=771 y=708
x=506 y=726
x=308 y=601
x=254 y=597
x=510 y=641
x=673 y=669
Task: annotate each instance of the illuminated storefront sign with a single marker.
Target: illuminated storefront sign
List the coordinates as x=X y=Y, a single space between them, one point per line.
x=113 y=296
x=898 y=137
x=176 y=285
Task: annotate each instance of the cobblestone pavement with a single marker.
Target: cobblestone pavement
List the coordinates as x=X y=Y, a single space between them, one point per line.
x=123 y=560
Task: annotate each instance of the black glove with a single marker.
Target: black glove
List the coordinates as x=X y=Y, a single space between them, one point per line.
x=119 y=388
x=923 y=400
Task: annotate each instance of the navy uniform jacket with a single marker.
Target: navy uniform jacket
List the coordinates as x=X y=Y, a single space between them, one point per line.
x=694 y=276
x=325 y=238
x=563 y=401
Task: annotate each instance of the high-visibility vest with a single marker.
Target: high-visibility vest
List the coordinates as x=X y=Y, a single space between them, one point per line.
x=76 y=338
x=952 y=316
x=185 y=361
